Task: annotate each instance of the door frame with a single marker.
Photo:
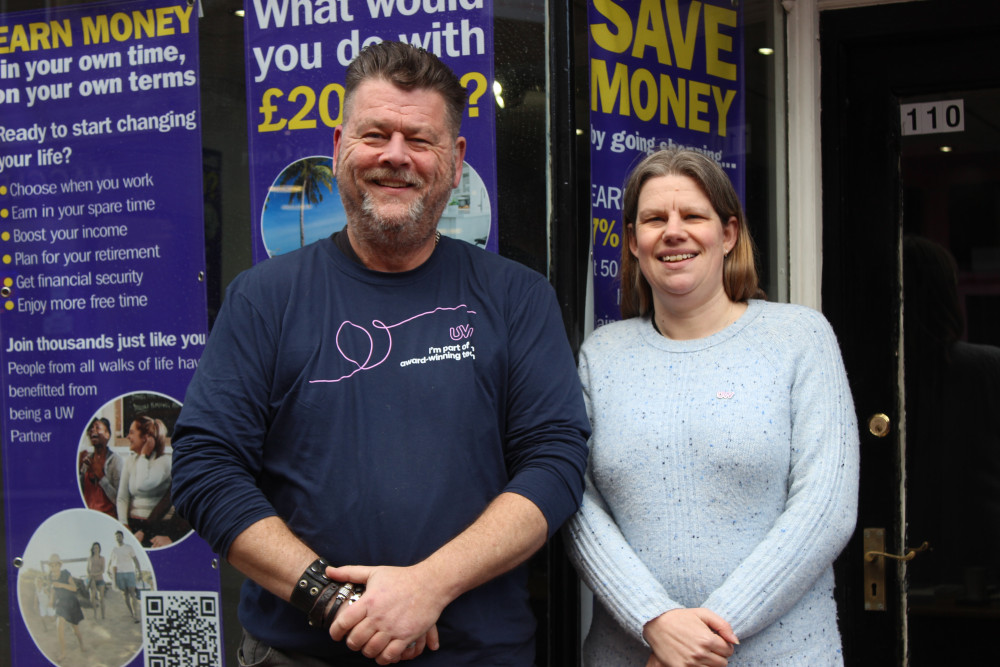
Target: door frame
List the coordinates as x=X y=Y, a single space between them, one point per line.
x=871 y=58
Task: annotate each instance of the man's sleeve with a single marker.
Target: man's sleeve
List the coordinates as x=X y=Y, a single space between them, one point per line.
x=112 y=475
x=79 y=466
x=547 y=426
x=219 y=437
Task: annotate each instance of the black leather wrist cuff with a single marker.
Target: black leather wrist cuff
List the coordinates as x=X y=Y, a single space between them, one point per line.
x=310 y=584
x=322 y=602
x=345 y=594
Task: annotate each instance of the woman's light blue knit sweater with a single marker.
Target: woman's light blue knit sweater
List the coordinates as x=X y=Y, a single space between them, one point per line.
x=723 y=474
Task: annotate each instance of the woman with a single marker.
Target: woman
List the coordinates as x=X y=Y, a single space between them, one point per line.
x=144 y=489
x=65 y=603
x=95 y=578
x=723 y=474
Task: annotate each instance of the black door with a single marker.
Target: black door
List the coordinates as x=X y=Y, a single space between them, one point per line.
x=911 y=284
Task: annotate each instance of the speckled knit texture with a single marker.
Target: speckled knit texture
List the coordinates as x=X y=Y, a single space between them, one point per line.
x=723 y=474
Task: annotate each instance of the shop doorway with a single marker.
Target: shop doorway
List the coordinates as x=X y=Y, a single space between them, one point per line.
x=911 y=284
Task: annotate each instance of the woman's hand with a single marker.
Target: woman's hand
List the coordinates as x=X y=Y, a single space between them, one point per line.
x=159 y=541
x=148 y=446
x=689 y=638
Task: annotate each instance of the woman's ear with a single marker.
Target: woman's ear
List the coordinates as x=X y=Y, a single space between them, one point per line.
x=730 y=233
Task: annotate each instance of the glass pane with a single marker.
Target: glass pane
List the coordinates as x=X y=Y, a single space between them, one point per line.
x=763 y=39
x=951 y=322
x=520 y=60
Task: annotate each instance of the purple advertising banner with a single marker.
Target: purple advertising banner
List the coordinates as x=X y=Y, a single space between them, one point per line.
x=297 y=52
x=663 y=74
x=101 y=327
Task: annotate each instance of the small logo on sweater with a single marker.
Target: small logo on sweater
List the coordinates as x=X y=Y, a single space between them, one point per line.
x=724 y=394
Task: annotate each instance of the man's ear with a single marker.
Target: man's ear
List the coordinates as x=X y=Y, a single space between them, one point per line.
x=337 y=134
x=459 y=161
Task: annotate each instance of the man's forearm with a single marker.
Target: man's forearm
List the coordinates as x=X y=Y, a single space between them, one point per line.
x=272 y=555
x=505 y=535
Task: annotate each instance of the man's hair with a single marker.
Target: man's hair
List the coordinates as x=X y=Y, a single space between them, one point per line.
x=103 y=420
x=410 y=68
x=739 y=269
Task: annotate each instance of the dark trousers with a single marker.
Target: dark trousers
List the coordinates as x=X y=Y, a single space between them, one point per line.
x=255 y=653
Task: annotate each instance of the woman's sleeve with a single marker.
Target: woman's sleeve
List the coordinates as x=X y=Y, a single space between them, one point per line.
x=124 y=495
x=605 y=560
x=821 y=507
x=152 y=475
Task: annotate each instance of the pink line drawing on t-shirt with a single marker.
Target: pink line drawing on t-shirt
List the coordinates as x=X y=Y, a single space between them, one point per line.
x=462 y=331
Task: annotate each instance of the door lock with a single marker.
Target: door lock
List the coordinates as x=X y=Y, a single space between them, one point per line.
x=874 y=570
x=879 y=425
x=874 y=566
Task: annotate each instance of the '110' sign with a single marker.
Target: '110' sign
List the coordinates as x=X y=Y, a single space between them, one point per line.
x=932 y=117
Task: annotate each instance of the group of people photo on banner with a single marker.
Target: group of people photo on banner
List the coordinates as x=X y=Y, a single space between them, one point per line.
x=80 y=588
x=124 y=466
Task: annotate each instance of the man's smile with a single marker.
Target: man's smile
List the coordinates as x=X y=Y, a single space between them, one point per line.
x=387 y=178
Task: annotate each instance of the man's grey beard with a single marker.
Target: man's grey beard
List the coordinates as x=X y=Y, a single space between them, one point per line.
x=392 y=226
x=403 y=232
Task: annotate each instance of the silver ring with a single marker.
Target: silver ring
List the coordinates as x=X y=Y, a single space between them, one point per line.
x=411 y=645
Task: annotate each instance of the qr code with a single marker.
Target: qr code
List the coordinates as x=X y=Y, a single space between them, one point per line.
x=181 y=628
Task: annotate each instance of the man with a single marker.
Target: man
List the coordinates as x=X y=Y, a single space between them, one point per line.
x=125 y=571
x=387 y=399
x=100 y=470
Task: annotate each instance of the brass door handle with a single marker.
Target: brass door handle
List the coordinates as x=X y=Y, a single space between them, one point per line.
x=870 y=556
